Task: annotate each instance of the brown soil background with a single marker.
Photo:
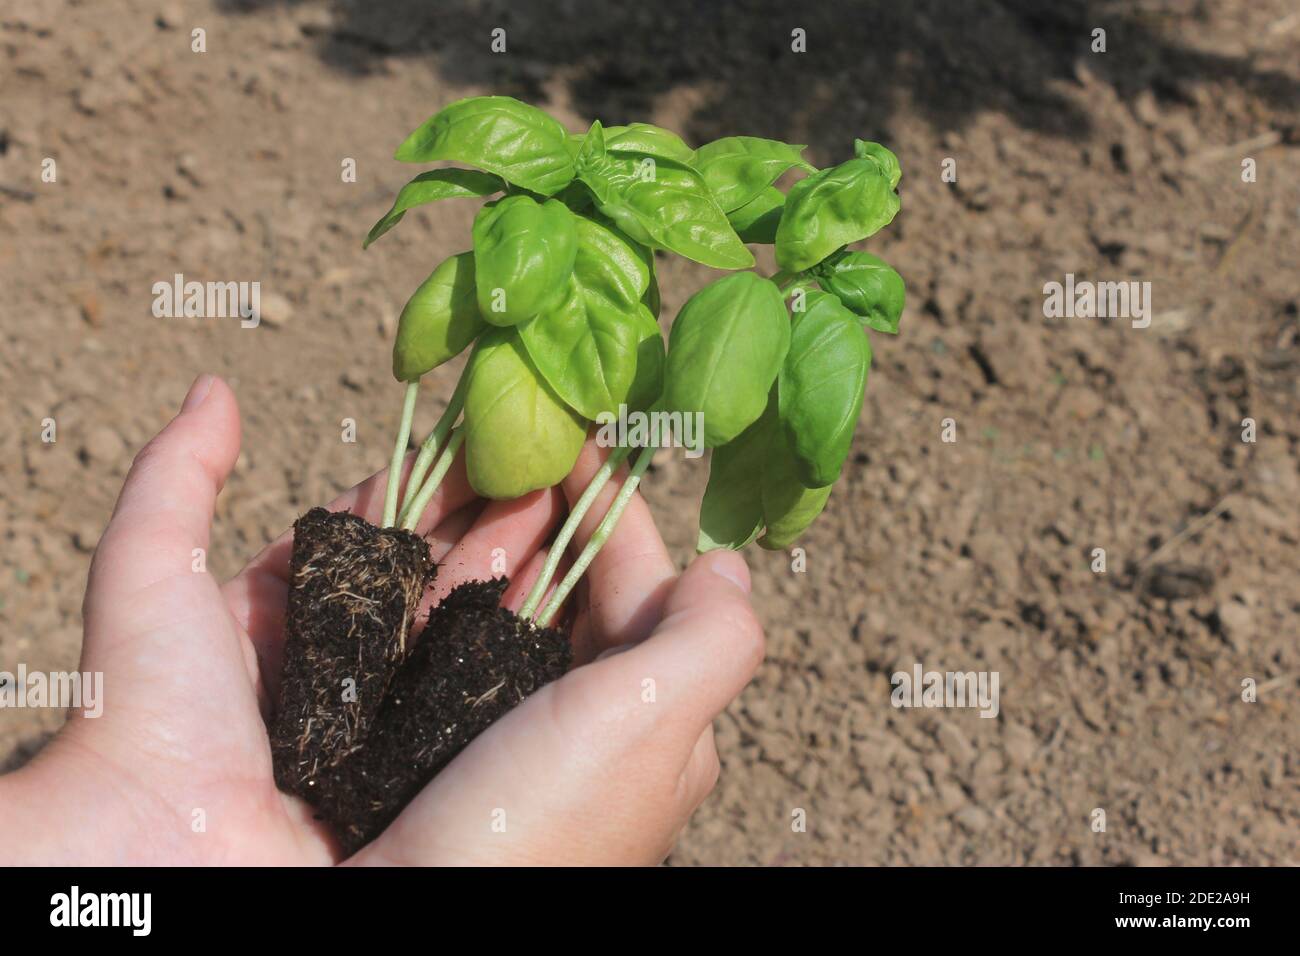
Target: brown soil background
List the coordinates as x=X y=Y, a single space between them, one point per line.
x=1120 y=690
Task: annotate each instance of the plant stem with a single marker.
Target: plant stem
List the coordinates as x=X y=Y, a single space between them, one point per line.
x=421 y=501
x=430 y=446
x=399 y=452
x=580 y=509
x=598 y=539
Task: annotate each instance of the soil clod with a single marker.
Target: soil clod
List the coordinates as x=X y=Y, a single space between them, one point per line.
x=475 y=662
x=354 y=592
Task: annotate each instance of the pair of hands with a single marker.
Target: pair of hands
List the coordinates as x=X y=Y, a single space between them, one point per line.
x=177 y=770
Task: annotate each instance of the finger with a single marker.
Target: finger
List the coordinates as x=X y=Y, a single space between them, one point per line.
x=632 y=574
x=701 y=773
x=522 y=584
x=502 y=541
x=162 y=522
x=702 y=654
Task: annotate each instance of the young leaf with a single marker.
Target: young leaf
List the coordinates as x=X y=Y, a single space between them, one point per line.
x=519 y=436
x=757 y=220
x=648 y=140
x=821 y=387
x=737 y=168
x=724 y=352
x=867 y=286
x=518 y=142
x=524 y=253
x=832 y=208
x=439 y=320
x=587 y=348
x=662 y=204
x=432 y=186
x=882 y=157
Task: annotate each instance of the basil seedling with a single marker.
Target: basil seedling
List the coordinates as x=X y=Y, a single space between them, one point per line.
x=558 y=299
x=560 y=294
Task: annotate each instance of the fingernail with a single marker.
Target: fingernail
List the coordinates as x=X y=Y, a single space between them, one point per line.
x=198 y=392
x=729 y=565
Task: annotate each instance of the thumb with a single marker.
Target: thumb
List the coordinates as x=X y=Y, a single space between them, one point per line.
x=164 y=512
x=703 y=652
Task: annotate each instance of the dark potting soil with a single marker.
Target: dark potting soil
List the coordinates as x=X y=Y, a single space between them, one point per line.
x=475 y=661
x=354 y=592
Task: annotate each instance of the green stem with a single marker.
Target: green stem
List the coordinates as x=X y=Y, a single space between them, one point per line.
x=580 y=509
x=399 y=452
x=429 y=449
x=598 y=539
x=440 y=470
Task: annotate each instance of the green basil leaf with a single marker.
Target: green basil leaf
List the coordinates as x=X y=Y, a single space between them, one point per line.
x=662 y=204
x=757 y=220
x=439 y=321
x=724 y=352
x=882 y=157
x=587 y=347
x=731 y=514
x=519 y=435
x=832 y=208
x=648 y=140
x=867 y=286
x=432 y=186
x=586 y=350
x=821 y=387
x=788 y=507
x=737 y=168
x=518 y=142
x=754 y=487
x=651 y=357
x=524 y=253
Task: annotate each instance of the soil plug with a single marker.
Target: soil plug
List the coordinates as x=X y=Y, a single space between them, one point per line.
x=354 y=593
x=476 y=662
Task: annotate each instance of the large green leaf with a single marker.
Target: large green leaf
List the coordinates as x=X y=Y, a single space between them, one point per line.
x=524 y=253
x=439 y=321
x=518 y=142
x=587 y=348
x=519 y=435
x=648 y=140
x=724 y=352
x=832 y=208
x=660 y=203
x=737 y=168
x=821 y=387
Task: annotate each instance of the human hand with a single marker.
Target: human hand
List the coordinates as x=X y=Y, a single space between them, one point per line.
x=599 y=767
